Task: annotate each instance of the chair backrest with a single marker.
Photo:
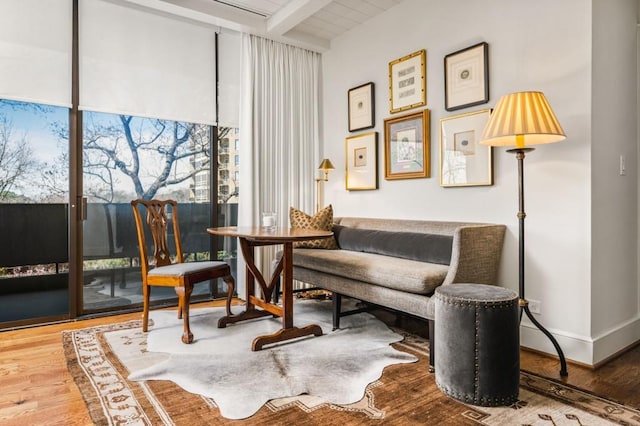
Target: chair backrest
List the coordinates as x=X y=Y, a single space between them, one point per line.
x=159 y=214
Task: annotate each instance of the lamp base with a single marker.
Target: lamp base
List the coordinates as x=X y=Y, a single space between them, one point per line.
x=524 y=304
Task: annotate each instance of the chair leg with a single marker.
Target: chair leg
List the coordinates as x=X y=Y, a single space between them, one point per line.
x=145 y=307
x=184 y=295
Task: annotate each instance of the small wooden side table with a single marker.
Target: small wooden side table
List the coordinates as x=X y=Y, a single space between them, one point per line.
x=250 y=238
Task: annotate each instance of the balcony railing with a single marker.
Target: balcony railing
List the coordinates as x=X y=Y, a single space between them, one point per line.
x=34 y=252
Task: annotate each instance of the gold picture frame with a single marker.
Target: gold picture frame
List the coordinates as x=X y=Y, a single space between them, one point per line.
x=408 y=82
x=407 y=146
x=362 y=162
x=463 y=161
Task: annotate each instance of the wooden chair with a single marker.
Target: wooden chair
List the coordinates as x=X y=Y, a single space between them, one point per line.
x=165 y=272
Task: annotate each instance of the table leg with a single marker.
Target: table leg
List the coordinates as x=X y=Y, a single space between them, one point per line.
x=285 y=311
x=285 y=334
x=250 y=311
x=288 y=330
x=287 y=285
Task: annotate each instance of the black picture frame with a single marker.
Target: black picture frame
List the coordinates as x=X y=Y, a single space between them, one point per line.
x=466 y=77
x=361 y=107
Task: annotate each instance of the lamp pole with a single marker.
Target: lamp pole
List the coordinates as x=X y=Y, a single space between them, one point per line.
x=524 y=304
x=318 y=180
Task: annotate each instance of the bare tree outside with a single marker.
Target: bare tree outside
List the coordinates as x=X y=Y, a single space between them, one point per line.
x=127 y=157
x=225 y=198
x=16 y=160
x=152 y=154
x=124 y=157
x=54 y=177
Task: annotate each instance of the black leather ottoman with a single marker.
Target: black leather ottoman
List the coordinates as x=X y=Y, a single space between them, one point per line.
x=477 y=355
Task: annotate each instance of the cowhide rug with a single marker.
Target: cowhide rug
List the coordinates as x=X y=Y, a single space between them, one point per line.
x=335 y=367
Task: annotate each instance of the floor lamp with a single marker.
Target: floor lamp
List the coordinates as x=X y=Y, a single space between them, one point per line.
x=325 y=166
x=521 y=120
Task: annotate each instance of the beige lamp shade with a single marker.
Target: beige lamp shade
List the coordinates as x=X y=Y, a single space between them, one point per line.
x=522 y=119
x=326 y=165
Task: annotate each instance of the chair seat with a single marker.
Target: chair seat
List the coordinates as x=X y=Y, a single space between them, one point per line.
x=181 y=269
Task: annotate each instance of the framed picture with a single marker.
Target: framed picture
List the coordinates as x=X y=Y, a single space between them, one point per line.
x=406 y=146
x=466 y=77
x=361 y=107
x=463 y=161
x=362 y=161
x=408 y=82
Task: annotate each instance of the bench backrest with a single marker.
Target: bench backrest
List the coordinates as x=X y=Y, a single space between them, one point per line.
x=405 y=225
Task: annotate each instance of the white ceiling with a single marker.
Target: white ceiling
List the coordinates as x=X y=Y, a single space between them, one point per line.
x=307 y=23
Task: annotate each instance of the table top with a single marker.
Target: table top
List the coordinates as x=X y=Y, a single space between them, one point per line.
x=264 y=234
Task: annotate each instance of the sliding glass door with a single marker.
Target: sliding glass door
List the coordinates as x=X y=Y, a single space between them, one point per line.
x=69 y=172
x=146 y=78
x=125 y=158
x=34 y=273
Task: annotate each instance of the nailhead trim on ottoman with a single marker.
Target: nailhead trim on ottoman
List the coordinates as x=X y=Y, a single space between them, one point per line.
x=477 y=356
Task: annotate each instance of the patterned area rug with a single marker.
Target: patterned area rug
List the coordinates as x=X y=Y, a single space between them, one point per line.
x=220 y=364
x=405 y=394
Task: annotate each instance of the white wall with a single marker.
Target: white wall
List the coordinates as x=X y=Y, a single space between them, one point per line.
x=638 y=129
x=543 y=45
x=614 y=280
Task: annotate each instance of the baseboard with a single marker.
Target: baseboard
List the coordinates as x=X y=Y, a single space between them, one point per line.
x=554 y=356
x=617 y=339
x=575 y=347
x=585 y=350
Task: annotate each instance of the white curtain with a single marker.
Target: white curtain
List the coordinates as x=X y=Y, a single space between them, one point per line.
x=279 y=122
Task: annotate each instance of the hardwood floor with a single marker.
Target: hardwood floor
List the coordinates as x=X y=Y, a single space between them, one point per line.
x=37 y=389
x=618 y=380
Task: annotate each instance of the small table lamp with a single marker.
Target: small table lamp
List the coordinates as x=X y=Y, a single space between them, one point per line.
x=325 y=166
x=521 y=120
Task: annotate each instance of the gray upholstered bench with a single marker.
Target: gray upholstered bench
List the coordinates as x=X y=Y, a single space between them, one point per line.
x=478 y=345
x=398 y=263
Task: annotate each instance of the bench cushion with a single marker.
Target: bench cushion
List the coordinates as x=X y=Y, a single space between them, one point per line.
x=422 y=247
x=392 y=272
